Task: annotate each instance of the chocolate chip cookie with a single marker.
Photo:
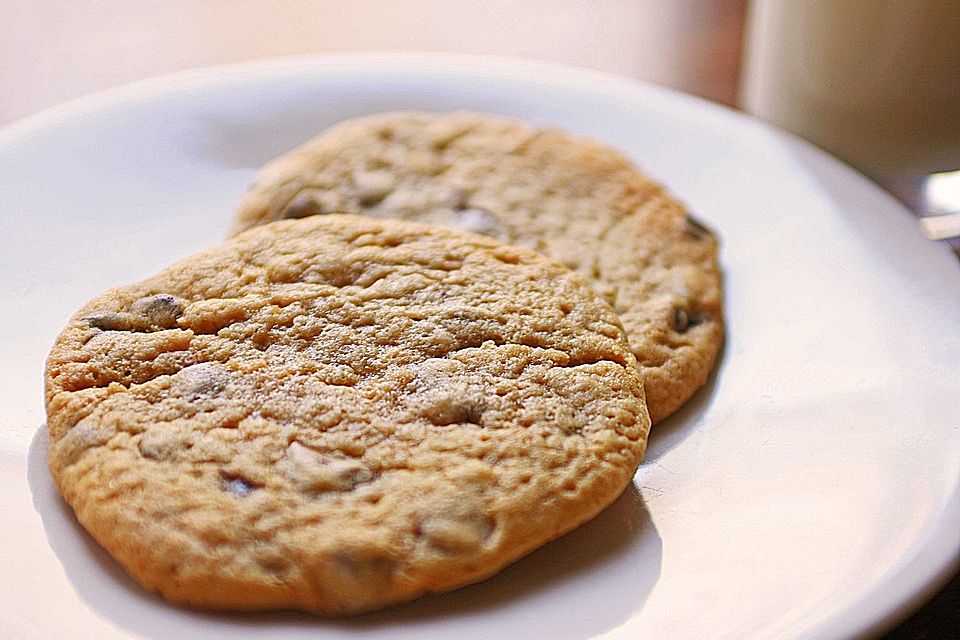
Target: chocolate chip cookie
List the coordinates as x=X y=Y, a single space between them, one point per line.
x=570 y=198
x=339 y=413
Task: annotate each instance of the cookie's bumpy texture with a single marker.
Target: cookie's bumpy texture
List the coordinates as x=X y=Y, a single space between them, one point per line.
x=577 y=201
x=339 y=413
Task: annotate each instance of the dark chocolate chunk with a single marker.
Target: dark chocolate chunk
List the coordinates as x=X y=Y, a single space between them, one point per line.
x=160 y=311
x=302 y=206
x=682 y=320
x=109 y=321
x=696 y=230
x=237 y=485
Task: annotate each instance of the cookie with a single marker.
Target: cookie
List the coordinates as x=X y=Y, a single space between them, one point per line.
x=339 y=413
x=575 y=200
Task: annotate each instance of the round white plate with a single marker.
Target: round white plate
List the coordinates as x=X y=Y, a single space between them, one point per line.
x=810 y=490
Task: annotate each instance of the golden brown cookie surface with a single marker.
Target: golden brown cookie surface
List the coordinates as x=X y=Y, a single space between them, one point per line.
x=572 y=199
x=339 y=413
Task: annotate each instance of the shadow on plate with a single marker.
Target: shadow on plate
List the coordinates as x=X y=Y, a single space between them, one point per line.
x=682 y=423
x=581 y=585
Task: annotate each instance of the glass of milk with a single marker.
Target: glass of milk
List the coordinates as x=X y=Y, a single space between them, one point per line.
x=875 y=82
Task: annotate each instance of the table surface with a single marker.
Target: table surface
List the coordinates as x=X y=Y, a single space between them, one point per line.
x=54 y=50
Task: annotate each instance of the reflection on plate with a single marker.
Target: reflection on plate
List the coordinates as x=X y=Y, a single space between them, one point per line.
x=808 y=490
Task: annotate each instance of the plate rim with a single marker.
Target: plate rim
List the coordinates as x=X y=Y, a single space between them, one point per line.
x=886 y=602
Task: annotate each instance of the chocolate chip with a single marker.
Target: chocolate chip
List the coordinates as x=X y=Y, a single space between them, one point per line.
x=160 y=311
x=456 y=199
x=152 y=313
x=237 y=485
x=696 y=230
x=109 y=321
x=682 y=320
x=476 y=220
x=302 y=206
x=86 y=434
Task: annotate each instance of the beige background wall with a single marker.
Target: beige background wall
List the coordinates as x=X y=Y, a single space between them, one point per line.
x=53 y=50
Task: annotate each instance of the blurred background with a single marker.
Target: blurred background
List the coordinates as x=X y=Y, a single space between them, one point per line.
x=52 y=50
x=877 y=82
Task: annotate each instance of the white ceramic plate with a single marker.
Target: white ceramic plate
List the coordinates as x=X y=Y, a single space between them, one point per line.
x=810 y=490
